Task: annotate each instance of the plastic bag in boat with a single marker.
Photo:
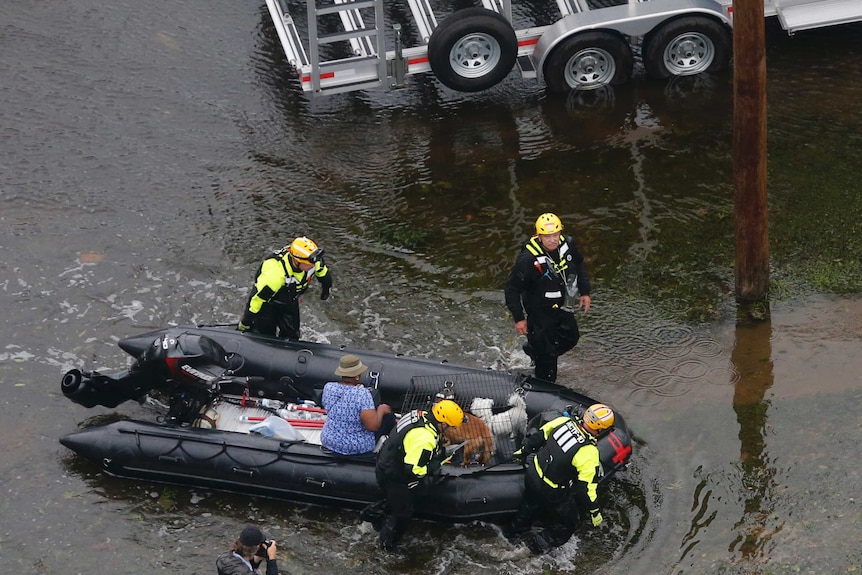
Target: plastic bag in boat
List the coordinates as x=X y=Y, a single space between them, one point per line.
x=276 y=428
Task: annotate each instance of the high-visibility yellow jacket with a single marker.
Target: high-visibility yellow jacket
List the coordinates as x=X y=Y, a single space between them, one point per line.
x=277 y=282
x=413 y=444
x=569 y=457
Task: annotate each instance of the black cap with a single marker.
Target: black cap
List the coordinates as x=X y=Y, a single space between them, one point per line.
x=251 y=536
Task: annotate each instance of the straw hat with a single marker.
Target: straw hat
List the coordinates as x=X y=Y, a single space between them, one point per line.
x=350 y=366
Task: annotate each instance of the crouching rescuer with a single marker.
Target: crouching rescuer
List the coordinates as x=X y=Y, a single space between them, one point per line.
x=408 y=465
x=561 y=478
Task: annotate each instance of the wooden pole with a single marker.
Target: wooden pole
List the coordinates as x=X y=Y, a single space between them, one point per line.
x=749 y=151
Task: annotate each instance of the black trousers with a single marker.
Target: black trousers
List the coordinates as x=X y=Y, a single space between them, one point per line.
x=550 y=333
x=558 y=506
x=397 y=510
x=278 y=319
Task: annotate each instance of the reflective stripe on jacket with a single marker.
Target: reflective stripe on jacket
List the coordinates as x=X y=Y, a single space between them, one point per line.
x=569 y=457
x=537 y=283
x=278 y=282
x=412 y=445
x=535 y=247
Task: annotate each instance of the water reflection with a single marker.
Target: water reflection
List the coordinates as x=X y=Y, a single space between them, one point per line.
x=752 y=359
x=748 y=486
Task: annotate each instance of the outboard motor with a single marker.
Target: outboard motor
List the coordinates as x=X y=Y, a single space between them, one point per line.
x=192 y=360
x=91 y=388
x=174 y=362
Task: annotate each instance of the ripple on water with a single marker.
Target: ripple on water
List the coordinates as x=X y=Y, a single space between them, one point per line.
x=673 y=340
x=649 y=378
x=662 y=357
x=641 y=397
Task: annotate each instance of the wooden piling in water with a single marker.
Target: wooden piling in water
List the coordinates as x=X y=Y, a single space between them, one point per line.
x=749 y=151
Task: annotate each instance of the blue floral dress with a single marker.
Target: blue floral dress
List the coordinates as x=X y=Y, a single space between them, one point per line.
x=343 y=431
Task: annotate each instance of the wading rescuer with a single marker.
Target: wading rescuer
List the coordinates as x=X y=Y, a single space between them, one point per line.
x=562 y=478
x=273 y=306
x=549 y=268
x=407 y=466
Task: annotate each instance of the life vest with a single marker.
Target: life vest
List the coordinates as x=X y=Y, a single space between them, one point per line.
x=281 y=283
x=391 y=459
x=295 y=281
x=554 y=274
x=553 y=462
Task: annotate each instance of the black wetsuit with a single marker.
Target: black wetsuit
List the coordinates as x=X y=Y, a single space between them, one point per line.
x=536 y=291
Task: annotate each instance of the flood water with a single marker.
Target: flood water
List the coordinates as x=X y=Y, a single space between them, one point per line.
x=152 y=152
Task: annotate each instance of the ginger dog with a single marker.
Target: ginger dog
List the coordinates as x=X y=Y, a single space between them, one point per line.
x=476 y=433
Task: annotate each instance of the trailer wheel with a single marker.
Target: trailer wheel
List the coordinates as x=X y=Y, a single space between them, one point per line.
x=588 y=61
x=472 y=50
x=686 y=46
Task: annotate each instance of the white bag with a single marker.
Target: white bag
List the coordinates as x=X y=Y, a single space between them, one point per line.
x=276 y=428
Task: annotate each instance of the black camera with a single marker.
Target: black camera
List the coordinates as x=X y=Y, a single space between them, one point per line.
x=261 y=551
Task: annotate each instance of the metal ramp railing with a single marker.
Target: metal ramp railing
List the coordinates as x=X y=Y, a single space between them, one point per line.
x=423 y=18
x=366 y=66
x=502 y=7
x=807 y=14
x=291 y=42
x=360 y=26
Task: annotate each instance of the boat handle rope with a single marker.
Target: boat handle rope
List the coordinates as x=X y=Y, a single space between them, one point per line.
x=281 y=455
x=179 y=446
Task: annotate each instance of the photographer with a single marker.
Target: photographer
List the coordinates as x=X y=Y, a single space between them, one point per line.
x=247 y=553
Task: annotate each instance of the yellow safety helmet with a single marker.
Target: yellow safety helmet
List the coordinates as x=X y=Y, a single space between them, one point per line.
x=447 y=411
x=599 y=416
x=548 y=224
x=305 y=250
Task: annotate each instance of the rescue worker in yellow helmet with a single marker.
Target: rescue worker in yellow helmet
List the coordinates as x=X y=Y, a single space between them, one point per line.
x=548 y=268
x=562 y=477
x=273 y=305
x=408 y=465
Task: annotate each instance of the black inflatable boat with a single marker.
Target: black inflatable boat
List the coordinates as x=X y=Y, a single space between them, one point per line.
x=223 y=389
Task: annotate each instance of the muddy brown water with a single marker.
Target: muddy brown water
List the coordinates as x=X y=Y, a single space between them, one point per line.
x=151 y=152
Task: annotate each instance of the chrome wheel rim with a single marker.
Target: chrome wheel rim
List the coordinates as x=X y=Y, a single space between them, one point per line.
x=475 y=55
x=590 y=68
x=689 y=53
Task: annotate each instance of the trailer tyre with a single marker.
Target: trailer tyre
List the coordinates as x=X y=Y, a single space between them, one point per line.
x=588 y=61
x=472 y=50
x=687 y=46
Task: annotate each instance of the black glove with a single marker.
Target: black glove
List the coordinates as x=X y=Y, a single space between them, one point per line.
x=325 y=286
x=518 y=457
x=430 y=481
x=432 y=476
x=532 y=442
x=247 y=321
x=425 y=483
